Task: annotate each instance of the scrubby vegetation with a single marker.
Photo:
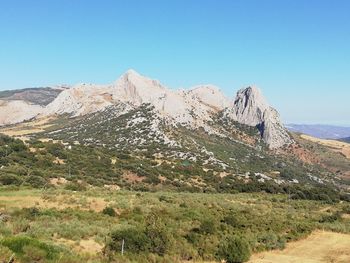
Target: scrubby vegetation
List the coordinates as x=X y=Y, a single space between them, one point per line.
x=42 y=226
x=36 y=164
x=82 y=199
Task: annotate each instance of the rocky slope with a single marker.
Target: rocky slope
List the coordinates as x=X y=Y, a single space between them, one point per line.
x=17 y=111
x=194 y=108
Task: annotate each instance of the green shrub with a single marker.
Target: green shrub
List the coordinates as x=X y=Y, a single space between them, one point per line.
x=34 y=254
x=207 y=227
x=109 y=211
x=135 y=240
x=10 y=179
x=166 y=199
x=154 y=238
x=36 y=181
x=231 y=220
x=270 y=241
x=22 y=245
x=234 y=249
x=159 y=237
x=31 y=212
x=346 y=209
x=56 y=149
x=330 y=218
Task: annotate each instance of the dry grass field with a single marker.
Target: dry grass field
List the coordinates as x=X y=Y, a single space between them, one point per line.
x=26 y=128
x=36 y=198
x=337 y=146
x=319 y=247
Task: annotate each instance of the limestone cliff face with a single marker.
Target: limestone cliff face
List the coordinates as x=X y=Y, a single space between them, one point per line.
x=251 y=108
x=273 y=131
x=193 y=108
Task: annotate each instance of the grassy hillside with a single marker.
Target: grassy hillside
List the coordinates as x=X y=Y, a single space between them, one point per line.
x=58 y=225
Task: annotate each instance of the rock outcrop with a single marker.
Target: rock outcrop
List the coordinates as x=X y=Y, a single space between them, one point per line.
x=251 y=108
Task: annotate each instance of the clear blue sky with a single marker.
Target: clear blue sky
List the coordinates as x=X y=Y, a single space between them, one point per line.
x=296 y=51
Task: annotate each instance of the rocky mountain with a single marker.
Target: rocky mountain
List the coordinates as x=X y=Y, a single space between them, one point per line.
x=196 y=138
x=195 y=108
x=20 y=105
x=321 y=131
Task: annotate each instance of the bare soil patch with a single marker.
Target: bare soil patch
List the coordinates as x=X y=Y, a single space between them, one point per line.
x=85 y=246
x=133 y=177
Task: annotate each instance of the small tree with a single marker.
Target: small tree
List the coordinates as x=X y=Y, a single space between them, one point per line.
x=10 y=179
x=234 y=249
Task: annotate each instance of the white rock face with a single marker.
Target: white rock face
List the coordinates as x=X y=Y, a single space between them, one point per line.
x=80 y=100
x=251 y=108
x=210 y=96
x=16 y=111
x=194 y=107
x=136 y=89
x=273 y=131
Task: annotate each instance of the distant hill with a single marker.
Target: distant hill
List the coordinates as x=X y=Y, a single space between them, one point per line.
x=39 y=96
x=346 y=139
x=321 y=131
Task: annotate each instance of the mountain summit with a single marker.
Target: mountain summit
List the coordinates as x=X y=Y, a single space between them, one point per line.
x=251 y=108
x=194 y=108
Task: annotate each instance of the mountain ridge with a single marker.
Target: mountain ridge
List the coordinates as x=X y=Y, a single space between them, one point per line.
x=194 y=108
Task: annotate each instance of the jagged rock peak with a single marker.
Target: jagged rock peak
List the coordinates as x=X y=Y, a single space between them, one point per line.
x=250 y=105
x=135 y=88
x=251 y=108
x=134 y=78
